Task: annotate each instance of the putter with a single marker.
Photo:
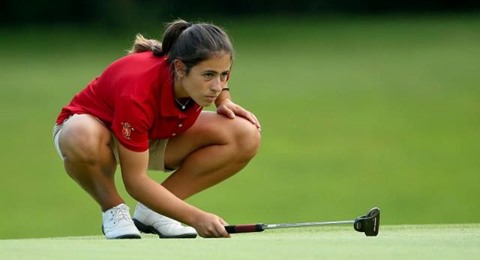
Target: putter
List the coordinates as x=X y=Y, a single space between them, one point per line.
x=368 y=224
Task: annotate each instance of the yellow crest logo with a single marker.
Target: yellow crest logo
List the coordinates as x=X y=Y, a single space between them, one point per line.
x=127 y=130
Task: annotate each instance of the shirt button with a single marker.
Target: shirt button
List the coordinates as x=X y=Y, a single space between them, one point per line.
x=180 y=125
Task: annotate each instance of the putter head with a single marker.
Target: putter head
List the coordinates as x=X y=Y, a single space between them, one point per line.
x=369 y=223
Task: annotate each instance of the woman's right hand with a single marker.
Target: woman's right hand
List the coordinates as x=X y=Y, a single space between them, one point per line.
x=209 y=226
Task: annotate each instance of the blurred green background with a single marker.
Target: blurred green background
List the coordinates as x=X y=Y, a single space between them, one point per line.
x=361 y=105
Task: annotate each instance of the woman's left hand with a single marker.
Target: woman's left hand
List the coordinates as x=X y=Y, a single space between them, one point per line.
x=231 y=110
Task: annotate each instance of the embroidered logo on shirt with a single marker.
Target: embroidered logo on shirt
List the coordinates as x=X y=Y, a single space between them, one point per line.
x=127 y=130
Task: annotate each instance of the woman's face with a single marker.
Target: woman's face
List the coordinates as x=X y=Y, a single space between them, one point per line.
x=205 y=80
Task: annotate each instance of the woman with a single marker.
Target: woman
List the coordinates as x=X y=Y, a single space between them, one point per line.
x=145 y=113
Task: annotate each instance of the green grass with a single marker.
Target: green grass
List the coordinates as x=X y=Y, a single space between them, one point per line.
x=393 y=242
x=356 y=113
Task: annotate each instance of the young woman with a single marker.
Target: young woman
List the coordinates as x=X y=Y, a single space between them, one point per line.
x=144 y=112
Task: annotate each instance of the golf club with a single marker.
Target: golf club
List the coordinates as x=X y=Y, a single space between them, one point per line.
x=368 y=224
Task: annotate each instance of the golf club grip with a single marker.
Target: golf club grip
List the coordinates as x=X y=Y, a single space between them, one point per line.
x=244 y=228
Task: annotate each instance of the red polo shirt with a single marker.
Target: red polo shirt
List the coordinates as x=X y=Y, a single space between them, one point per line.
x=134 y=98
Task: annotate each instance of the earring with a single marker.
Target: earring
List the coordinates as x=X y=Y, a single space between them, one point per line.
x=181 y=73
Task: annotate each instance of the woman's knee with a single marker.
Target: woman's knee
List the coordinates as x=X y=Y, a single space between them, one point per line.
x=247 y=138
x=82 y=139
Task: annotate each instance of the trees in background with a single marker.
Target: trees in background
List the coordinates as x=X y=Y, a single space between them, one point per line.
x=124 y=12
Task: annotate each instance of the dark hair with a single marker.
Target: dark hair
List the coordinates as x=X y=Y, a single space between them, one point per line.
x=190 y=43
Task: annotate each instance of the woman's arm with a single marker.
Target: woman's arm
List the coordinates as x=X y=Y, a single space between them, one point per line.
x=142 y=188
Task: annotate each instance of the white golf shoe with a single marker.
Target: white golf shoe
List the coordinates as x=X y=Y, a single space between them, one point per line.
x=149 y=221
x=117 y=223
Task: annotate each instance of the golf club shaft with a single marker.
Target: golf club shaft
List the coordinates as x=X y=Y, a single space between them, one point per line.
x=245 y=228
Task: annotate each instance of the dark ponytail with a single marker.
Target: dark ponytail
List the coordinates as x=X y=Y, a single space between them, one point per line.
x=190 y=43
x=142 y=44
x=174 y=29
x=171 y=34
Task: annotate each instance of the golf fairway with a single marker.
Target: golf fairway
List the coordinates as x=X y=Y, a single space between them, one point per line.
x=340 y=242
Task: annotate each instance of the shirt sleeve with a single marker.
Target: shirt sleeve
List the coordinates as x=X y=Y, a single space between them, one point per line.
x=131 y=124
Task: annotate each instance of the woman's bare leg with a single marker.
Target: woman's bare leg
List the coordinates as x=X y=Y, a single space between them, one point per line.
x=214 y=149
x=88 y=158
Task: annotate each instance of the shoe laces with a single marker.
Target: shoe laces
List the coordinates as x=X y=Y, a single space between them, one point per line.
x=120 y=213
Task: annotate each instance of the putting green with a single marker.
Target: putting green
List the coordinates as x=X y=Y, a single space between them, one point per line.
x=393 y=242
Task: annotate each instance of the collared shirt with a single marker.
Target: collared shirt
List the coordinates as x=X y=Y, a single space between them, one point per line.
x=134 y=98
